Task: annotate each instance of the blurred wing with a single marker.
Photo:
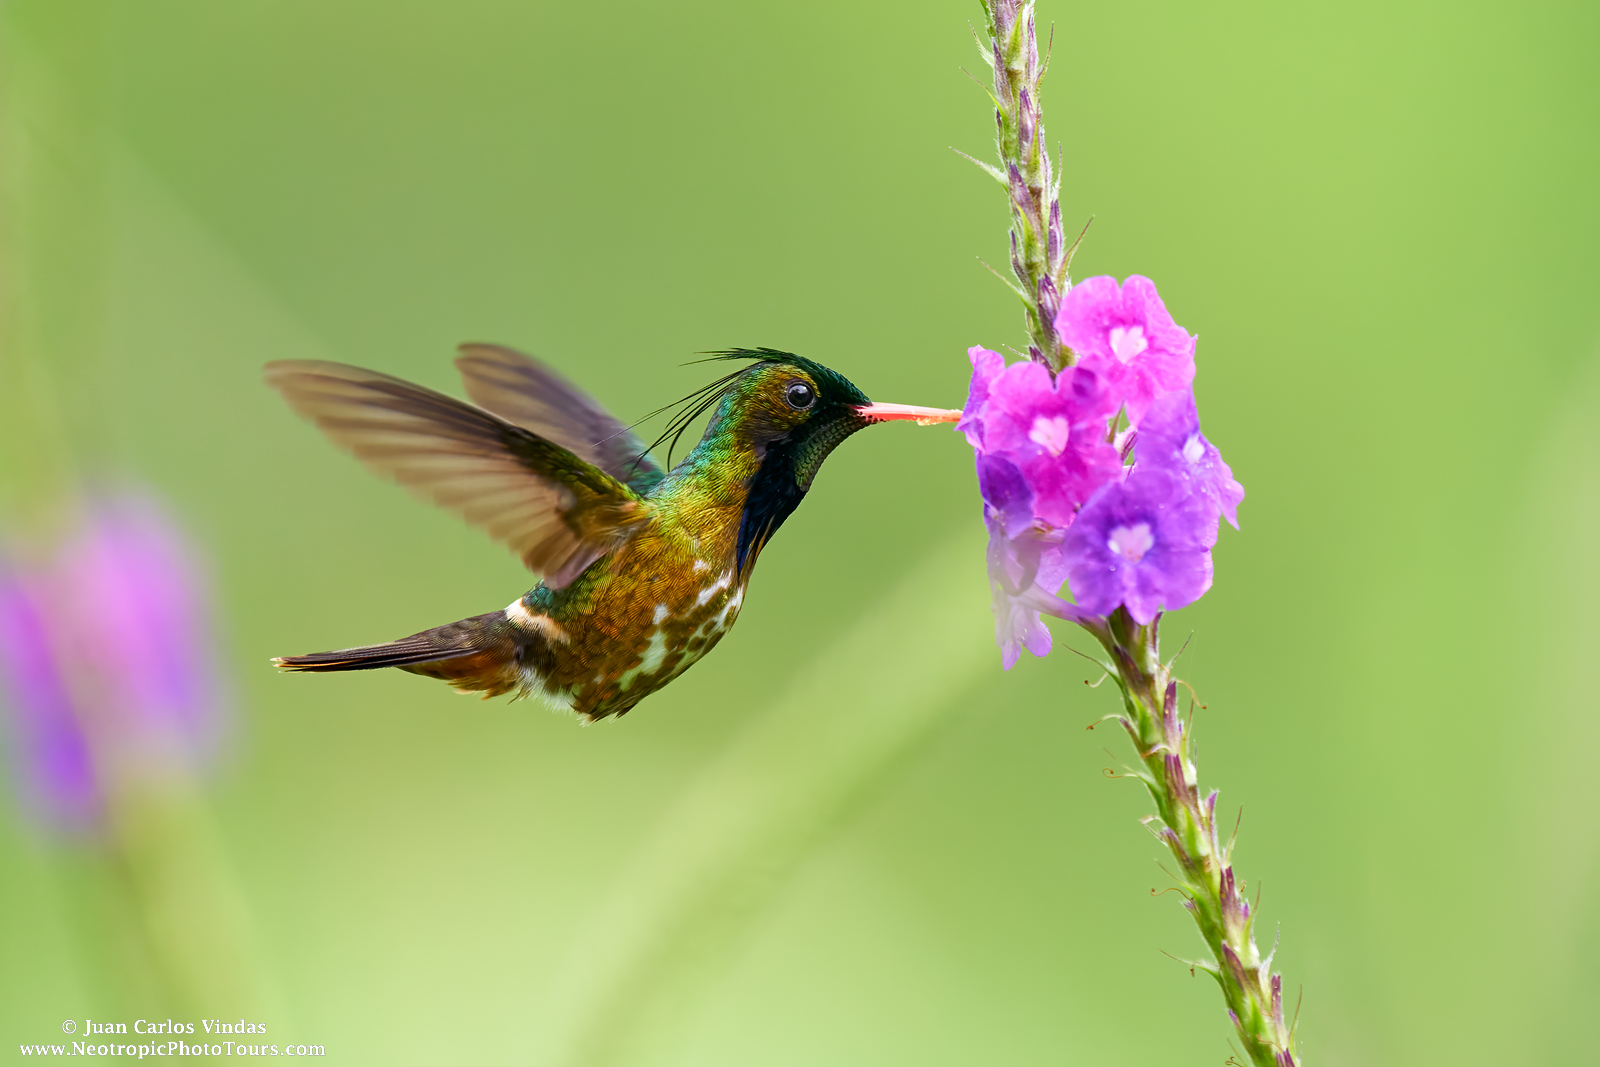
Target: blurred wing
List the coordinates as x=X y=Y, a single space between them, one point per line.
x=555 y=510
x=522 y=390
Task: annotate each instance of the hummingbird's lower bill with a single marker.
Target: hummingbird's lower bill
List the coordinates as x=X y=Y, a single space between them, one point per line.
x=643 y=569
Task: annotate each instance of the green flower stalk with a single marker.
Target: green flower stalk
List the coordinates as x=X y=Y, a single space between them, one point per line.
x=1039 y=255
x=1187 y=825
x=1094 y=473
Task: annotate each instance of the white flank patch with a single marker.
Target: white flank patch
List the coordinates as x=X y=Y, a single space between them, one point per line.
x=712 y=590
x=558 y=699
x=701 y=565
x=661 y=613
x=540 y=624
x=729 y=612
x=534 y=685
x=655 y=652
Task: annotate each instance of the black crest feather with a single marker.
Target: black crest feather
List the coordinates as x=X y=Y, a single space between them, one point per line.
x=689 y=408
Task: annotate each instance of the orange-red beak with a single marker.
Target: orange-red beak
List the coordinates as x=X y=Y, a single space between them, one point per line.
x=921 y=416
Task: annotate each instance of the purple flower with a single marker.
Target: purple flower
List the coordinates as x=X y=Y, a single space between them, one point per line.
x=139 y=622
x=1041 y=443
x=54 y=768
x=1169 y=438
x=986 y=366
x=1059 y=500
x=1019 y=567
x=1143 y=542
x=1007 y=496
x=1041 y=452
x=1125 y=335
x=104 y=661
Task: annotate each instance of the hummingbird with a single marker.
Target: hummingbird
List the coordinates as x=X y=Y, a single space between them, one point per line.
x=643 y=570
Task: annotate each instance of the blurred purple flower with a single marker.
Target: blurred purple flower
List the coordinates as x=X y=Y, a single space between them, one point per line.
x=1125 y=335
x=54 y=769
x=105 y=660
x=1025 y=576
x=1169 y=438
x=1017 y=566
x=1144 y=542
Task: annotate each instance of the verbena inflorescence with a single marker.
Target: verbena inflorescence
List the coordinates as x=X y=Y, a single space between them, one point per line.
x=1095 y=475
x=1127 y=518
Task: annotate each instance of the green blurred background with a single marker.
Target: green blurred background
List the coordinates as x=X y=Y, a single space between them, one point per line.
x=1379 y=218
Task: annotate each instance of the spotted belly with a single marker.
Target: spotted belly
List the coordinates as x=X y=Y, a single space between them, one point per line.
x=626 y=645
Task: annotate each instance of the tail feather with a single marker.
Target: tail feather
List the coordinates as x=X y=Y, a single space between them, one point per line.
x=369 y=657
x=479 y=654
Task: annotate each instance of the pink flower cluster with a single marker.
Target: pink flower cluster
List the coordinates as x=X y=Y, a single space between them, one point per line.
x=1127 y=520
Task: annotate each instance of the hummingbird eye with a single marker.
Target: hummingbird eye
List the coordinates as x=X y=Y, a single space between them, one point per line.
x=800 y=395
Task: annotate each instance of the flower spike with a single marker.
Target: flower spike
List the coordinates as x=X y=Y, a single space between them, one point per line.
x=1125 y=515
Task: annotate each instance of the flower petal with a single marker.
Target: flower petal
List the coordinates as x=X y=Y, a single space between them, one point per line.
x=1127 y=335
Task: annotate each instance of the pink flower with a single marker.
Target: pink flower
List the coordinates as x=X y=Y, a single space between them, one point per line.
x=1126 y=336
x=1041 y=443
x=1058 y=500
x=1041 y=452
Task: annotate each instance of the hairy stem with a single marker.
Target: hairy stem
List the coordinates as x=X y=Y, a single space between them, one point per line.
x=1040 y=255
x=1186 y=823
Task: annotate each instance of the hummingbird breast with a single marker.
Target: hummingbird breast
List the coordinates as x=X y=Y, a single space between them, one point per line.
x=634 y=622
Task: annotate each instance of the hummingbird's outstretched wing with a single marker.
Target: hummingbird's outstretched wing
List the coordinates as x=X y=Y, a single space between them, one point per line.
x=557 y=511
x=522 y=390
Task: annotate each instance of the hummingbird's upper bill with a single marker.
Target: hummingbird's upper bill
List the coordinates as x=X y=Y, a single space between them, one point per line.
x=921 y=416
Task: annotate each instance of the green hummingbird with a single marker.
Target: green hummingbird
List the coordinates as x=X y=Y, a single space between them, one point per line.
x=643 y=569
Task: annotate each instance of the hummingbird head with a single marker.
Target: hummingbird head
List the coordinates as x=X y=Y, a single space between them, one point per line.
x=788 y=413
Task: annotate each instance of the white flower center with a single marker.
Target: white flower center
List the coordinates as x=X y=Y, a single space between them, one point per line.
x=1051 y=434
x=1131 y=542
x=1194 y=449
x=1127 y=342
